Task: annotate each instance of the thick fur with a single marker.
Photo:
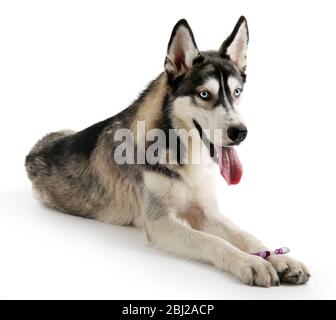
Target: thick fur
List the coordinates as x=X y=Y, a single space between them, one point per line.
x=75 y=172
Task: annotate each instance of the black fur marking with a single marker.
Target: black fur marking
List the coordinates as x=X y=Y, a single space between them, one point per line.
x=199 y=59
x=167 y=126
x=208 y=144
x=166 y=123
x=85 y=141
x=226 y=89
x=162 y=169
x=222 y=91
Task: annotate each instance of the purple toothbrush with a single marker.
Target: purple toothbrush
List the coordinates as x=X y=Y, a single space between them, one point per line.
x=266 y=253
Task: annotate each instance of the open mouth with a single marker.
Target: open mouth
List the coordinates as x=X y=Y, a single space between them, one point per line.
x=226 y=156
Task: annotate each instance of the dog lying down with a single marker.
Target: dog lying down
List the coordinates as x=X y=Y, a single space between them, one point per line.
x=151 y=165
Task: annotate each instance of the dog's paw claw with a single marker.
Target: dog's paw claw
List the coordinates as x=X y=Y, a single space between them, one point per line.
x=256 y=271
x=289 y=270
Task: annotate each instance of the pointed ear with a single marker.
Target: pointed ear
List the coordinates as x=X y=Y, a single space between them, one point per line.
x=235 y=46
x=182 y=50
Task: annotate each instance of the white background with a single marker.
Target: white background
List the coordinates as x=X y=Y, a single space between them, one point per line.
x=69 y=64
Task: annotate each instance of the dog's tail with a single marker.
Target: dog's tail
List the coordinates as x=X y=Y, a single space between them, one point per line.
x=36 y=162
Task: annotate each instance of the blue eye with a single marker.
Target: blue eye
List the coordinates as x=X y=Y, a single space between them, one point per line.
x=204 y=95
x=237 y=92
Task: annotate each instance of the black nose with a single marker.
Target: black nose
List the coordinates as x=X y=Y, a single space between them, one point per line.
x=237 y=134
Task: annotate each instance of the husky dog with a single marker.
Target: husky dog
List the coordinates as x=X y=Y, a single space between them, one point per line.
x=173 y=202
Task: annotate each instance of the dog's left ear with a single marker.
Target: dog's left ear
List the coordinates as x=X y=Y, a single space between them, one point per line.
x=235 y=46
x=182 y=50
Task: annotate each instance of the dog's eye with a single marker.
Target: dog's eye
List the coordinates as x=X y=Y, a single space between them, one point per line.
x=237 y=92
x=204 y=95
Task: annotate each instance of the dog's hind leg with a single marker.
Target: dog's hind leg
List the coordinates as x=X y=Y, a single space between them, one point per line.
x=289 y=270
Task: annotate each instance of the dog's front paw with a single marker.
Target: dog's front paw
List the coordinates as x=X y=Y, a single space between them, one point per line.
x=289 y=270
x=254 y=270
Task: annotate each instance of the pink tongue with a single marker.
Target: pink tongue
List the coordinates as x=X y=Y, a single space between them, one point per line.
x=230 y=166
